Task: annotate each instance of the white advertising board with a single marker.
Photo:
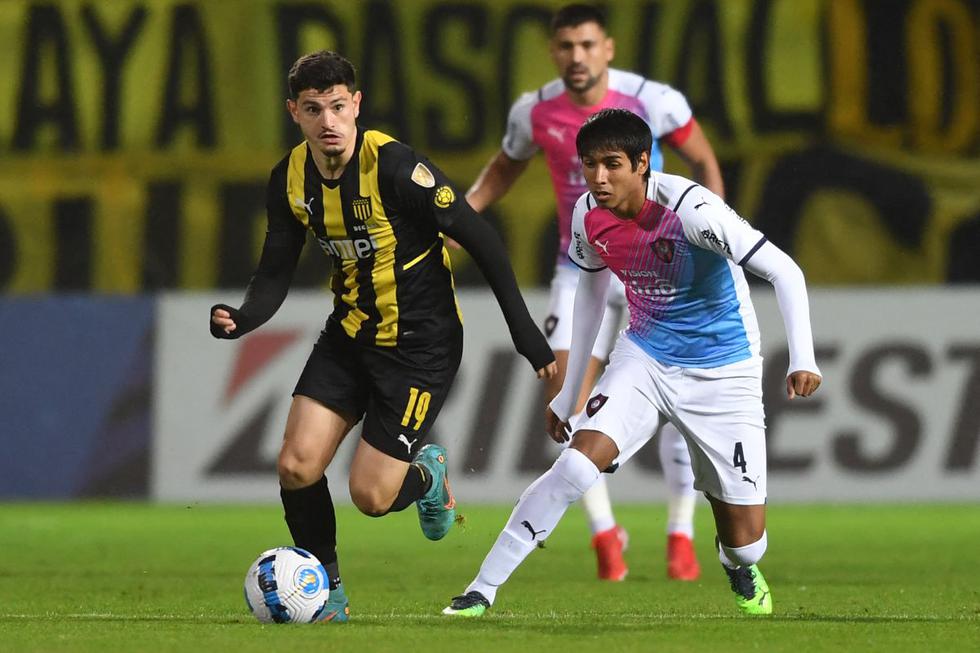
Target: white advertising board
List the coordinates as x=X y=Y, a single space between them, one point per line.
x=897 y=417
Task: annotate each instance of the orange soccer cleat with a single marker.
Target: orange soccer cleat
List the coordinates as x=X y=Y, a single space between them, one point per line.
x=682 y=562
x=609 y=546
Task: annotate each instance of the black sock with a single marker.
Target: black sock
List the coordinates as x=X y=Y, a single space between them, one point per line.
x=333 y=574
x=313 y=524
x=417 y=482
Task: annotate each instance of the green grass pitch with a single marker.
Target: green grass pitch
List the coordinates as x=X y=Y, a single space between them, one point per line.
x=135 y=577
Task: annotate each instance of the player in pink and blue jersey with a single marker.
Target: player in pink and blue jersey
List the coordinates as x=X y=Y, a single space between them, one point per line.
x=690 y=355
x=548 y=120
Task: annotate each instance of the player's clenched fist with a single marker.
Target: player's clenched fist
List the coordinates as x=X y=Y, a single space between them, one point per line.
x=802 y=383
x=223 y=321
x=557 y=429
x=549 y=371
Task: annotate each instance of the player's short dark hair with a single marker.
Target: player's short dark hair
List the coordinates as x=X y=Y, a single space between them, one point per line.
x=320 y=70
x=575 y=15
x=615 y=130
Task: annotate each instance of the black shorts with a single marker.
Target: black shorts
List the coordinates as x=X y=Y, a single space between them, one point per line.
x=398 y=391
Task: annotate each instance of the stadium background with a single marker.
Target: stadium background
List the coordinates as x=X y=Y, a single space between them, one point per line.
x=135 y=143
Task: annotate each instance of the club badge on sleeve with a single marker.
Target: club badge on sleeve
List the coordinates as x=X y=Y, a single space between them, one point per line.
x=444 y=196
x=423 y=176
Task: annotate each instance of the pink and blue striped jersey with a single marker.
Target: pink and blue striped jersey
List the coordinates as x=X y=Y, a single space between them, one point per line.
x=679 y=260
x=548 y=120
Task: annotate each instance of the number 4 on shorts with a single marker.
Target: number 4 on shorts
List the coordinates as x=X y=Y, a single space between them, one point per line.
x=738 y=460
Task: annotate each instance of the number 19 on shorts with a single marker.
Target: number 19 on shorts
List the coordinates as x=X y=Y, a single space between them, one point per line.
x=417 y=407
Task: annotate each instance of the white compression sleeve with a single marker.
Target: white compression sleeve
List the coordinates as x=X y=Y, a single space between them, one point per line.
x=589 y=307
x=776 y=267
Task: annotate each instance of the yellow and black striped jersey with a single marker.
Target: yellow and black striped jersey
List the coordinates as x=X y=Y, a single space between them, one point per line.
x=380 y=222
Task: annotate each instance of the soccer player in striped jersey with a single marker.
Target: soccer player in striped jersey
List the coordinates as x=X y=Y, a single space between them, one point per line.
x=547 y=120
x=690 y=356
x=391 y=347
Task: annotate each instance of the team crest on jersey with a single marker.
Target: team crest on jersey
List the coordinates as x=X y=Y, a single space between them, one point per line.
x=444 y=196
x=423 y=176
x=664 y=249
x=362 y=208
x=595 y=403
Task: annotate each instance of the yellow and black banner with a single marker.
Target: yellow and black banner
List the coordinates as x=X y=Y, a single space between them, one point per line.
x=136 y=136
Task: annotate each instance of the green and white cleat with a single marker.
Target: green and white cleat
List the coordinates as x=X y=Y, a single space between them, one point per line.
x=437 y=507
x=471 y=604
x=751 y=591
x=337 y=609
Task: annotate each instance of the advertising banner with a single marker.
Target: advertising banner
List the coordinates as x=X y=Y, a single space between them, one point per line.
x=76 y=378
x=895 y=419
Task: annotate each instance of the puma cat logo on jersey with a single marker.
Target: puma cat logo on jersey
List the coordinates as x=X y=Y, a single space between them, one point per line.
x=308 y=205
x=404 y=440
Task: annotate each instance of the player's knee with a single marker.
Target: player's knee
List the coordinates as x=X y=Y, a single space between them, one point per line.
x=746 y=555
x=370 y=501
x=296 y=472
x=578 y=472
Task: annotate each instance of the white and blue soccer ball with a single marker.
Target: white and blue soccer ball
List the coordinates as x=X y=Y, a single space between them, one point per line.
x=287 y=585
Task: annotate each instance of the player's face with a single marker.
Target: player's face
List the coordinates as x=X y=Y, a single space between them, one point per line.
x=613 y=182
x=327 y=118
x=582 y=55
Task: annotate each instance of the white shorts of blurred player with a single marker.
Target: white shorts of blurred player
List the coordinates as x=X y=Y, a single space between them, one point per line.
x=718 y=411
x=558 y=324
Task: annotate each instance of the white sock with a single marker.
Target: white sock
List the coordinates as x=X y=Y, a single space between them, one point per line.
x=732 y=556
x=676 y=461
x=598 y=508
x=534 y=518
x=680 y=515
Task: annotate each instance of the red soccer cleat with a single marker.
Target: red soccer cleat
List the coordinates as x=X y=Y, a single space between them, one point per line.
x=609 y=546
x=682 y=562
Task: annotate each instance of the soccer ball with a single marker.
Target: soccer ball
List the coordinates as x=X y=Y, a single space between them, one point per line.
x=286 y=585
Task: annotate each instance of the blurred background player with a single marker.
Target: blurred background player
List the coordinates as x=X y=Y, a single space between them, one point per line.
x=391 y=347
x=548 y=119
x=691 y=354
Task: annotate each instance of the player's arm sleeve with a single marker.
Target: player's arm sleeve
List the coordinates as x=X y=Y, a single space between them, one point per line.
x=518 y=142
x=714 y=226
x=580 y=249
x=452 y=215
x=587 y=312
x=269 y=285
x=776 y=267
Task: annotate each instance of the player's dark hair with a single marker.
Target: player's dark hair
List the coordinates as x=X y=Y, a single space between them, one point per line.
x=575 y=15
x=320 y=70
x=615 y=130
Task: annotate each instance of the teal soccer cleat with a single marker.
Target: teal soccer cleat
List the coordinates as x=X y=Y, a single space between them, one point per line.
x=337 y=609
x=437 y=507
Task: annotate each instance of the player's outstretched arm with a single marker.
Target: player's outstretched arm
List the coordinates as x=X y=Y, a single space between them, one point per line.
x=483 y=244
x=773 y=264
x=265 y=292
x=495 y=180
x=493 y=183
x=284 y=239
x=699 y=156
x=587 y=312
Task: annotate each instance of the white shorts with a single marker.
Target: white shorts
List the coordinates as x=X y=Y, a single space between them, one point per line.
x=717 y=410
x=558 y=324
